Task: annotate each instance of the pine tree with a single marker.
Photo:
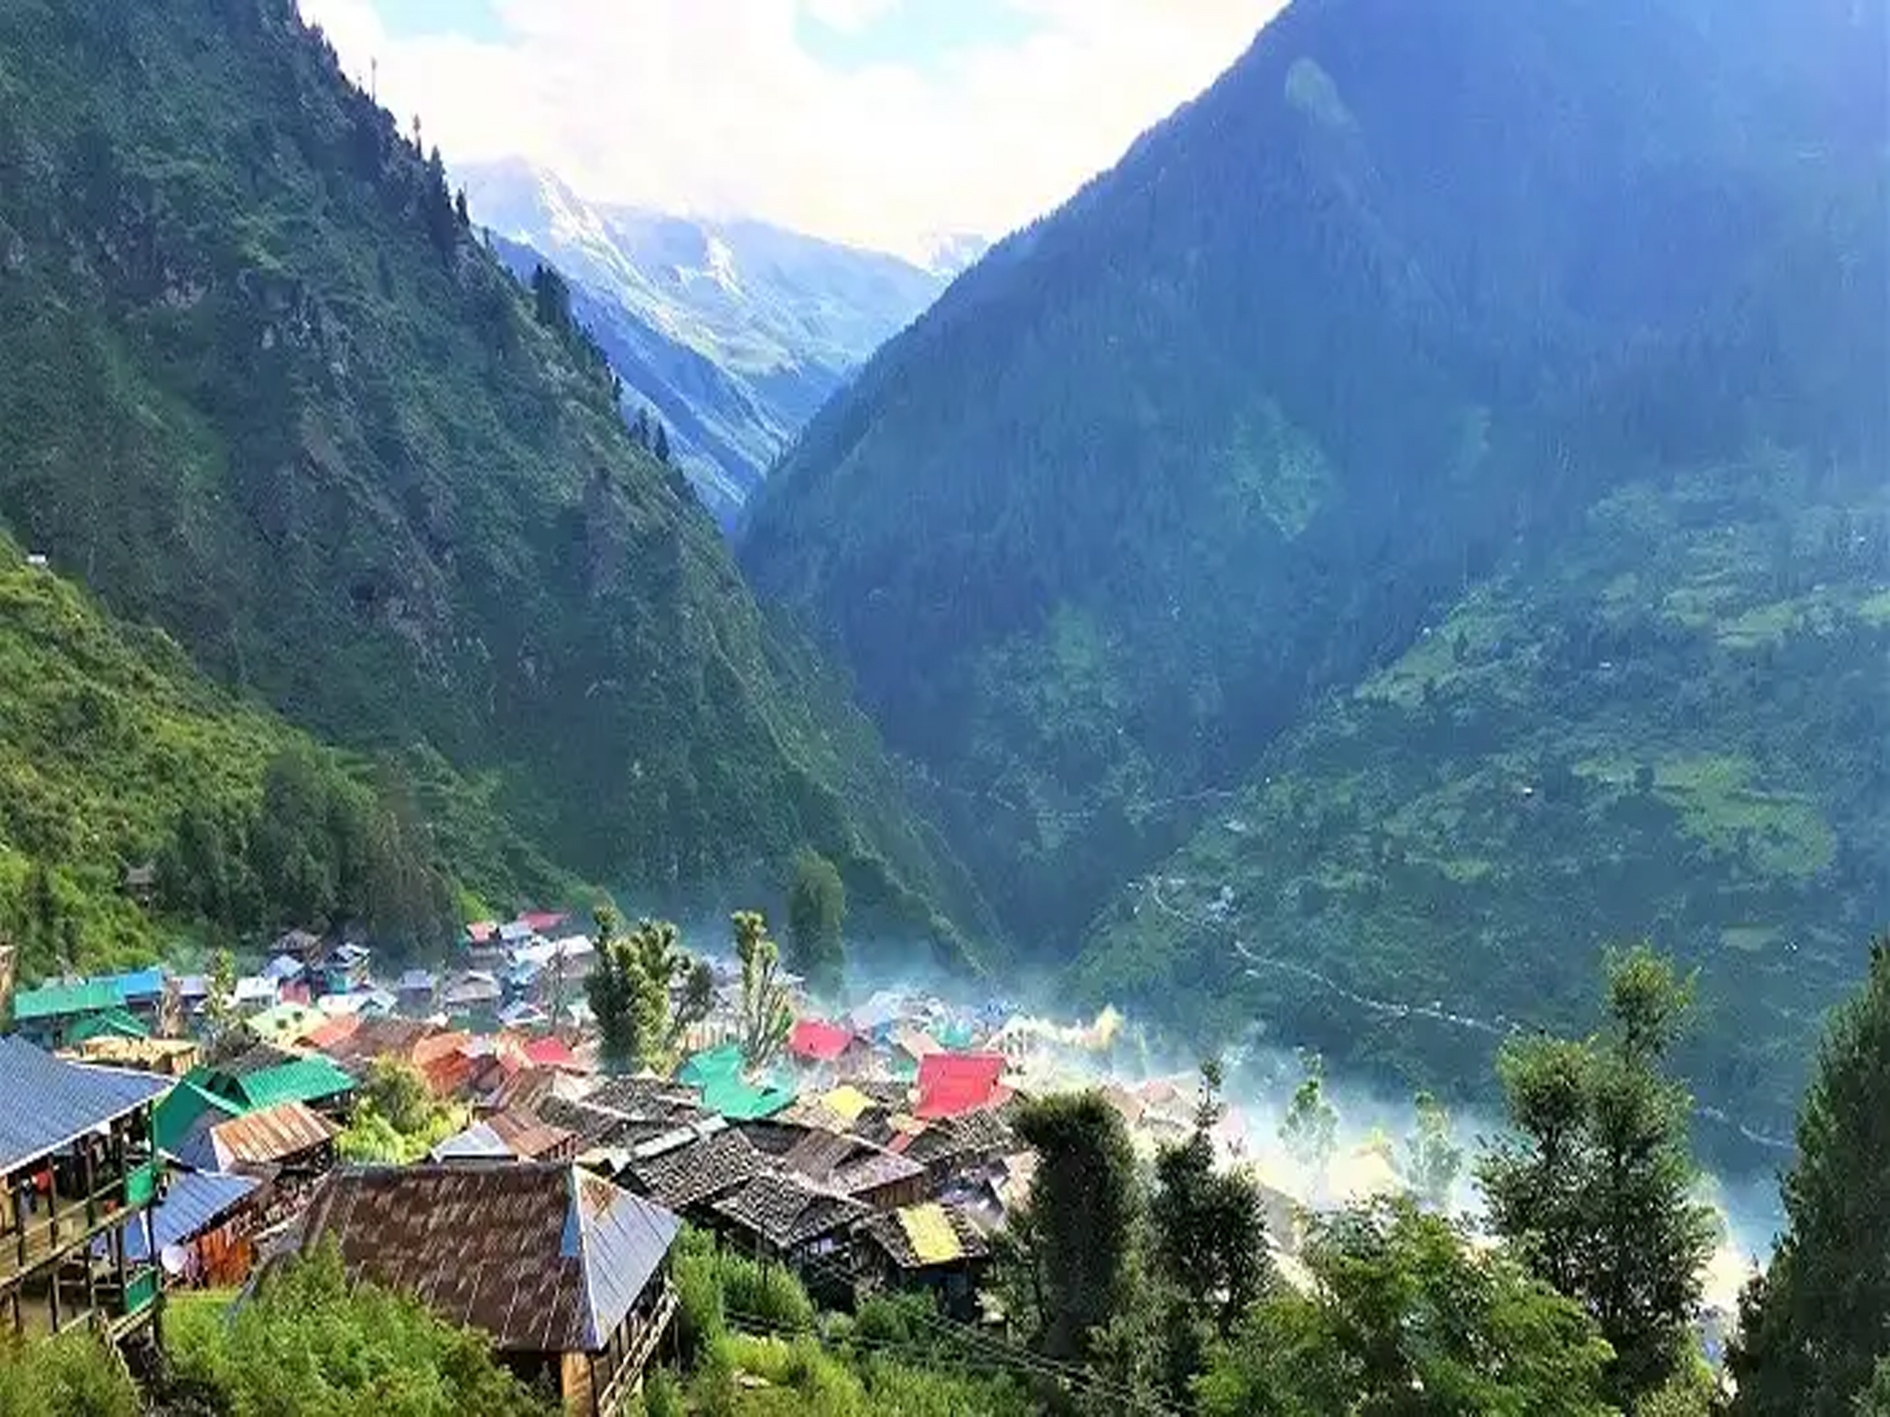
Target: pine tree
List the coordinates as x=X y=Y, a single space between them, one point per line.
x=640 y=428
x=661 y=445
x=1069 y=1261
x=1814 y=1326
x=611 y=994
x=817 y=908
x=1594 y=1188
x=1310 y=1128
x=1209 y=1237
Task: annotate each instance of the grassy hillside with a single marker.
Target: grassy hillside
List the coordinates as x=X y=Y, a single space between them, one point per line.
x=115 y=752
x=1675 y=725
x=1409 y=285
x=263 y=388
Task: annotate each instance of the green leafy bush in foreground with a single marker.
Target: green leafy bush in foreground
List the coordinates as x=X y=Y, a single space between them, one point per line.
x=70 y=1376
x=309 y=1344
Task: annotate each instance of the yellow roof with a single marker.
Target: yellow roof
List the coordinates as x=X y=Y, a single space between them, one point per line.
x=930 y=1233
x=846 y=1102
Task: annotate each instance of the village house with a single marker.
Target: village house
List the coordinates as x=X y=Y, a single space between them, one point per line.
x=314 y=1080
x=286 y=1140
x=76 y=1166
x=48 y=1015
x=201 y=1229
x=414 y=991
x=687 y=1171
x=849 y=1166
x=784 y=1217
x=566 y=1273
x=925 y=1248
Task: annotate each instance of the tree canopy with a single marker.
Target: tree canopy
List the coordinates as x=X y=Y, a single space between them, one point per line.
x=1814 y=1328
x=1594 y=1184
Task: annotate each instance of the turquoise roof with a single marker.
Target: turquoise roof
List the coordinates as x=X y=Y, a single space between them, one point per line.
x=718 y=1072
x=85 y=996
x=304 y=1080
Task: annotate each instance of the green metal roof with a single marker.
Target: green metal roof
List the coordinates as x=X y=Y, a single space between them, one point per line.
x=114 y=1022
x=86 y=996
x=718 y=1072
x=182 y=1106
x=304 y=1080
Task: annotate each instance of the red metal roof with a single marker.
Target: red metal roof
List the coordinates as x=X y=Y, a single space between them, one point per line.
x=818 y=1041
x=481 y=931
x=955 y=1083
x=540 y=921
x=549 y=1053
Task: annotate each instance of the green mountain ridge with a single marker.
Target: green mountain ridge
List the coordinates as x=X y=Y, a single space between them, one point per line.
x=1373 y=326
x=262 y=388
x=1674 y=727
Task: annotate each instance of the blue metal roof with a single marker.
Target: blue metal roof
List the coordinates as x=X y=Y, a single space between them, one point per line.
x=139 y=984
x=191 y=1205
x=50 y=1101
x=622 y=1239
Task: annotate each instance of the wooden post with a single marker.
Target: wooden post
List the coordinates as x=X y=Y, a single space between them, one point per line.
x=88 y=1177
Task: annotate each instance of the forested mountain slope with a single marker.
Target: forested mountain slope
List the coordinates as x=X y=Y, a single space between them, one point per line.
x=117 y=755
x=1375 y=324
x=263 y=388
x=1674 y=725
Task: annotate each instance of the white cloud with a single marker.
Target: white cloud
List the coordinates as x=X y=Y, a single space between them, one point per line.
x=716 y=106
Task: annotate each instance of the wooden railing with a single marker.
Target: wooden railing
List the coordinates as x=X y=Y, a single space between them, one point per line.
x=649 y=1332
x=70 y=1222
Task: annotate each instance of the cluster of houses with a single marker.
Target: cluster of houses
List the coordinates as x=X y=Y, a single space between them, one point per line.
x=875 y=1152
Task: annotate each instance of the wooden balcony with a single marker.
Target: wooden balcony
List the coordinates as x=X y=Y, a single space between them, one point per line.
x=71 y=1222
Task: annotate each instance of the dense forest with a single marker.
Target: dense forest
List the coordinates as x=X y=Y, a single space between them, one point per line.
x=119 y=758
x=265 y=389
x=1281 y=500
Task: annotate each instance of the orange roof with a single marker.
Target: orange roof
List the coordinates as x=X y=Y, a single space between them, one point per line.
x=437 y=1046
x=330 y=1033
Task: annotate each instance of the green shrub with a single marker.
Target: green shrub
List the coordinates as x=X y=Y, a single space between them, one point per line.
x=73 y=1375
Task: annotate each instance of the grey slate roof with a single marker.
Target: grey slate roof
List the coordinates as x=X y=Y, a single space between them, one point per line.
x=699 y=1172
x=48 y=1102
x=544 y=1258
x=786 y=1211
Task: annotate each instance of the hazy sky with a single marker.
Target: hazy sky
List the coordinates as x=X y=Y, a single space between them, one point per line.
x=878 y=122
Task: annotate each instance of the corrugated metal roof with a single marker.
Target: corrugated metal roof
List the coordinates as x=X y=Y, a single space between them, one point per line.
x=114 y=1022
x=930 y=1234
x=933 y=1233
x=50 y=1101
x=847 y=1102
x=476 y=1143
x=526 y=1135
x=819 y=1041
x=191 y=1205
x=177 y=1114
x=138 y=984
x=954 y=1083
x=304 y=1080
x=256 y=1138
x=56 y=1000
x=287 y=1022
x=544 y=1258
